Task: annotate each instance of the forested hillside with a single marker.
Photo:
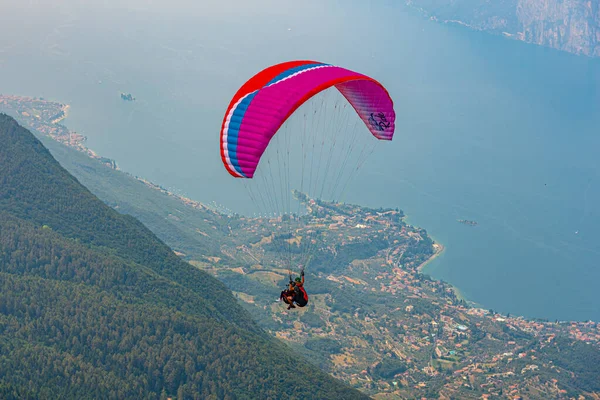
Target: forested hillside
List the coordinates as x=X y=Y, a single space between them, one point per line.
x=93 y=305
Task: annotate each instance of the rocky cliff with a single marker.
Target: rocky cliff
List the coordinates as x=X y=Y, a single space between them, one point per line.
x=568 y=25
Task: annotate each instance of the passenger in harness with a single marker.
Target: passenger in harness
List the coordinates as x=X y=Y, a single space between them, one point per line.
x=295 y=293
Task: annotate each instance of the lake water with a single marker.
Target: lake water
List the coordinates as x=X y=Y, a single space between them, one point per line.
x=488 y=129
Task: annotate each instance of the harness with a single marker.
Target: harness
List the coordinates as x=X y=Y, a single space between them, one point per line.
x=304 y=294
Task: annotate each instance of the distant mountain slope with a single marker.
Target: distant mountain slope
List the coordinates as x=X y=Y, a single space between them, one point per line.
x=184 y=228
x=568 y=25
x=93 y=305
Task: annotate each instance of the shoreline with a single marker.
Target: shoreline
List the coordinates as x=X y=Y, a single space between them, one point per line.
x=439 y=249
x=65 y=115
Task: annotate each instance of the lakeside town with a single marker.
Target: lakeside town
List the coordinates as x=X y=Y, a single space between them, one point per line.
x=45 y=117
x=370 y=298
x=432 y=340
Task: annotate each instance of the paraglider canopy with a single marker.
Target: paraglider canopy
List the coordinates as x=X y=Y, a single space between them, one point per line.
x=263 y=104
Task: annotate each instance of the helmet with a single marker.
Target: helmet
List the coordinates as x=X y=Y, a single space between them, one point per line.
x=298 y=279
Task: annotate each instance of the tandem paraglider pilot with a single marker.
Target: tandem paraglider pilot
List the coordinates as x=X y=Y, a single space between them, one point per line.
x=295 y=295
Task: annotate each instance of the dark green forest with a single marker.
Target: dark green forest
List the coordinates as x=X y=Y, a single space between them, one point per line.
x=93 y=305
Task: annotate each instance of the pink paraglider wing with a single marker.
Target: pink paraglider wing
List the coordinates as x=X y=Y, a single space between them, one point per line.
x=263 y=104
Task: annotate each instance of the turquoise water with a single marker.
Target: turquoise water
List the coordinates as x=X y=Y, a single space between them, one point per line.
x=489 y=129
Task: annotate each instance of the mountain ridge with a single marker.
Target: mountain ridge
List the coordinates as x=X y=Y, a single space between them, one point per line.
x=567 y=25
